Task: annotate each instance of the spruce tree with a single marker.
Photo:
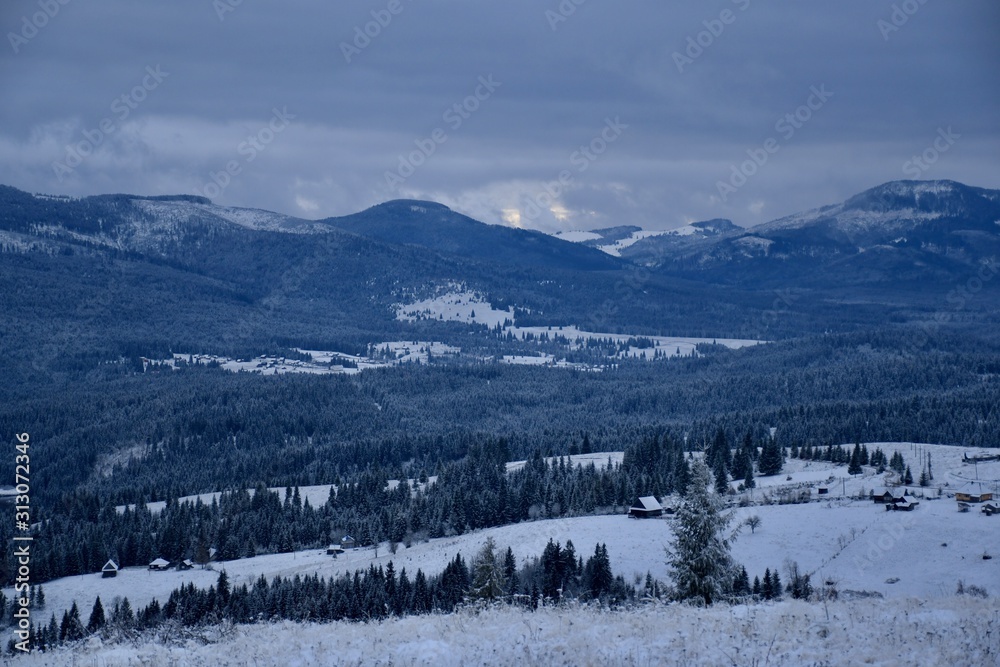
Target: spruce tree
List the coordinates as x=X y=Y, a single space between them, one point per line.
x=749 y=447
x=721 y=478
x=597 y=574
x=770 y=459
x=701 y=565
x=74 y=626
x=96 y=621
x=510 y=572
x=488 y=573
x=854 y=468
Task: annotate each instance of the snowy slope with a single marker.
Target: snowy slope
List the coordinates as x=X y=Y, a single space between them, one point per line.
x=855 y=543
x=179 y=212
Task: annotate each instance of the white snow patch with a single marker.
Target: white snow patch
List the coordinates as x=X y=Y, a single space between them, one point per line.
x=577 y=236
x=455 y=306
x=324 y=362
x=599 y=459
x=663 y=346
x=616 y=248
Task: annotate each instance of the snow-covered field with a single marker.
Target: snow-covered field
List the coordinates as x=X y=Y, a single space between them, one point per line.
x=324 y=362
x=615 y=249
x=460 y=305
x=949 y=632
x=599 y=459
x=663 y=346
x=854 y=543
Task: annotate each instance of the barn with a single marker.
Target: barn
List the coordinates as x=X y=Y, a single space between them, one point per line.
x=645 y=507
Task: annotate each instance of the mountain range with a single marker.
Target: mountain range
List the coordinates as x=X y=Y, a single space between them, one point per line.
x=123 y=274
x=898 y=232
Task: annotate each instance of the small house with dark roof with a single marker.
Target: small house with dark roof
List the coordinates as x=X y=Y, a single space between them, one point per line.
x=159 y=564
x=109 y=570
x=904 y=504
x=887 y=497
x=645 y=507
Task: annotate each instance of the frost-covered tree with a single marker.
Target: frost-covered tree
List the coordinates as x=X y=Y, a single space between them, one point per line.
x=511 y=580
x=97 y=620
x=770 y=459
x=721 y=478
x=488 y=573
x=597 y=574
x=701 y=566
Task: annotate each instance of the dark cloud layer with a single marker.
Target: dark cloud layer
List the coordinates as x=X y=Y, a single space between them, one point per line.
x=258 y=105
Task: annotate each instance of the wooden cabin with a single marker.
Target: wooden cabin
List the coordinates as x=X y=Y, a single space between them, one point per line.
x=887 y=497
x=334 y=550
x=973 y=493
x=348 y=542
x=185 y=564
x=645 y=507
x=904 y=504
x=159 y=565
x=109 y=570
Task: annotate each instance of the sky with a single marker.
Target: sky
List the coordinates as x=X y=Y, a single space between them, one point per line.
x=544 y=114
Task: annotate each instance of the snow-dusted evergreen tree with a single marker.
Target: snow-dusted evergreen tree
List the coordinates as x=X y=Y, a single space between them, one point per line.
x=511 y=581
x=721 y=478
x=597 y=575
x=97 y=620
x=854 y=467
x=488 y=573
x=701 y=566
x=770 y=459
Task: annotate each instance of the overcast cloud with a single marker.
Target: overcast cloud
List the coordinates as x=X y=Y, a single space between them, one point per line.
x=291 y=107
